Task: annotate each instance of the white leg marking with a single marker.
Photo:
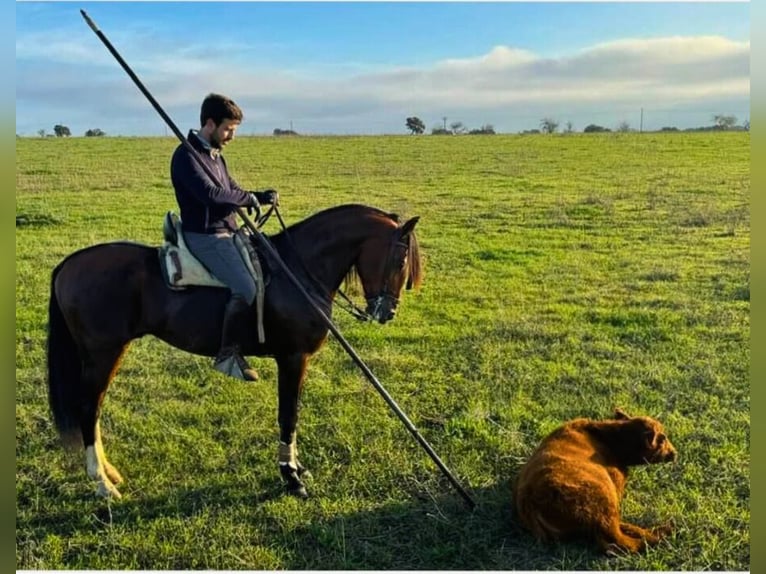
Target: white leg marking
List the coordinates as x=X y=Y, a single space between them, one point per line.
x=288 y=455
x=95 y=468
x=112 y=473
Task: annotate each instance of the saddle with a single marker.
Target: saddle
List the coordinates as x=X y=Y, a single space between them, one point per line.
x=181 y=269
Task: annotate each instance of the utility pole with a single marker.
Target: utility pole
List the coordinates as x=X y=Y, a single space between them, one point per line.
x=641 y=126
x=444 y=118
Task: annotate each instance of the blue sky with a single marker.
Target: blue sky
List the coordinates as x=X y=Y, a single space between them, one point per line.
x=329 y=67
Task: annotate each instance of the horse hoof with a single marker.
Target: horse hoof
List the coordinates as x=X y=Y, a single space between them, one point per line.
x=292 y=475
x=105 y=490
x=298 y=492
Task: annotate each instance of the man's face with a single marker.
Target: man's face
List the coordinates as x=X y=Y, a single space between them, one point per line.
x=222 y=134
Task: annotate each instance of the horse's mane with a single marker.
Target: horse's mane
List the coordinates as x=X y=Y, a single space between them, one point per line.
x=415 y=268
x=342 y=210
x=414 y=263
x=351 y=280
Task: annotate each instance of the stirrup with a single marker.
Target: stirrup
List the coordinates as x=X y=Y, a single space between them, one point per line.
x=235 y=366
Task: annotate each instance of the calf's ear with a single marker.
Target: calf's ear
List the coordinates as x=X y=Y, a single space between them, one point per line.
x=620 y=414
x=652 y=438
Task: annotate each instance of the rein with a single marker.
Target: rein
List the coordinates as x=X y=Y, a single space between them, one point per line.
x=261 y=220
x=349 y=306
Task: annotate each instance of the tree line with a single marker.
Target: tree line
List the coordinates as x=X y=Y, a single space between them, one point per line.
x=62 y=131
x=416 y=127
x=547 y=125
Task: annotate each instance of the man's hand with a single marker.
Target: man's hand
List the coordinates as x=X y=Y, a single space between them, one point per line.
x=267 y=197
x=254 y=205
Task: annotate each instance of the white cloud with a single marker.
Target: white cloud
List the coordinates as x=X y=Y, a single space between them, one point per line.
x=502 y=87
x=498 y=58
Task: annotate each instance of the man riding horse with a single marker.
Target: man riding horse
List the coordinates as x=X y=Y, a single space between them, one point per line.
x=208 y=221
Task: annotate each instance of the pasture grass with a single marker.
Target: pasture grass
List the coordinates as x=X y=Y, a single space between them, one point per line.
x=565 y=275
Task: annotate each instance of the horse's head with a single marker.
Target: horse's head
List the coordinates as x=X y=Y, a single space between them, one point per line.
x=363 y=245
x=387 y=262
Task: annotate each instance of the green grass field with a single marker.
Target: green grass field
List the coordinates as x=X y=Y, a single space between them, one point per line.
x=564 y=275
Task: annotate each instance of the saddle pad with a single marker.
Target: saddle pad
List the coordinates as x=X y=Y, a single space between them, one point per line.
x=182 y=269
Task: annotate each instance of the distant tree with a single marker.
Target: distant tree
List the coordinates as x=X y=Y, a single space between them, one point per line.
x=61 y=131
x=669 y=129
x=440 y=131
x=96 y=132
x=41 y=133
x=746 y=125
x=569 y=128
x=549 y=125
x=593 y=128
x=485 y=129
x=623 y=127
x=281 y=132
x=415 y=125
x=457 y=128
x=724 y=122
x=533 y=131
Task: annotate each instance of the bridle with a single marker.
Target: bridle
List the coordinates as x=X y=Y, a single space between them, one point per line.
x=374 y=302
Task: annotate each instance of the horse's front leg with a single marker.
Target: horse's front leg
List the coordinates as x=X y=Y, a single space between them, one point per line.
x=292 y=370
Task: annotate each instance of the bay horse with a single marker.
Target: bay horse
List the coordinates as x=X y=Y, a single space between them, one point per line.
x=104 y=296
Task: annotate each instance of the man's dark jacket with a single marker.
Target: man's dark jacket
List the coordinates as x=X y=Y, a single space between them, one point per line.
x=205 y=207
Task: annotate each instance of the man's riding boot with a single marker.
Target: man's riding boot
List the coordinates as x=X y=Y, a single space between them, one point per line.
x=229 y=359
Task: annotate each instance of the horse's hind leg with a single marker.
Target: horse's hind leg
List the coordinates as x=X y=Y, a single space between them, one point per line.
x=112 y=473
x=98 y=371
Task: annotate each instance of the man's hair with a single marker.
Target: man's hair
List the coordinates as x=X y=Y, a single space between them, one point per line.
x=218 y=108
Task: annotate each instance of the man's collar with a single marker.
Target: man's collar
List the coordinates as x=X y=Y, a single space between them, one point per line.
x=214 y=152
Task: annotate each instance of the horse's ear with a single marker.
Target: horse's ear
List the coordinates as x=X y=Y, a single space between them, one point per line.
x=409 y=226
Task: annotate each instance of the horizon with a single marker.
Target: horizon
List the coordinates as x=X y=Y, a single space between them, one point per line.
x=345 y=68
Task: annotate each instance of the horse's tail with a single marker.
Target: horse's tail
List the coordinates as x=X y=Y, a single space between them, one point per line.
x=64 y=373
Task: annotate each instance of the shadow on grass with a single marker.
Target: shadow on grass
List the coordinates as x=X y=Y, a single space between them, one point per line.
x=439 y=533
x=424 y=533
x=82 y=510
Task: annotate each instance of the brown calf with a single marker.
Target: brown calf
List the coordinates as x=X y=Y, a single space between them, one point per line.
x=573 y=483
